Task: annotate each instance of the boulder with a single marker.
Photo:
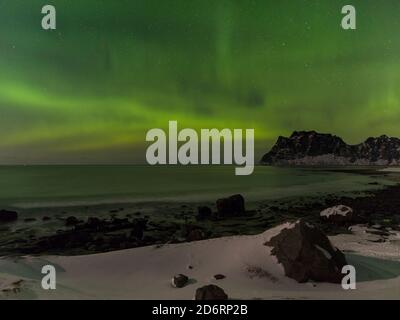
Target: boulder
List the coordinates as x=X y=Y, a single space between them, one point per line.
x=71 y=221
x=179 y=281
x=219 y=277
x=232 y=206
x=203 y=213
x=210 y=292
x=8 y=216
x=306 y=254
x=338 y=214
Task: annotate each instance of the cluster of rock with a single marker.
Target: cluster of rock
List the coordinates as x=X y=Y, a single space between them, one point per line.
x=312 y=148
x=94 y=235
x=208 y=292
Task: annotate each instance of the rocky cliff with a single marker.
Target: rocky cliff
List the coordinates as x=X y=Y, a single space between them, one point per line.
x=311 y=148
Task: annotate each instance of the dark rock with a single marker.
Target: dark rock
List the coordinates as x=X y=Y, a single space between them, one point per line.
x=203 y=213
x=46 y=218
x=62 y=241
x=195 y=235
x=210 y=292
x=232 y=206
x=307 y=254
x=179 y=281
x=94 y=223
x=119 y=221
x=219 y=277
x=8 y=216
x=71 y=221
x=81 y=238
x=139 y=226
x=313 y=148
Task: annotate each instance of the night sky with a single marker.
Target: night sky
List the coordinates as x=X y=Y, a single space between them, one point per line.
x=89 y=91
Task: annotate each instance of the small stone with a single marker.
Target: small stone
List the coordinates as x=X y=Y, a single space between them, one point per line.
x=179 y=281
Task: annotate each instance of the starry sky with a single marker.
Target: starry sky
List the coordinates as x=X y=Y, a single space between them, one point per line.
x=89 y=91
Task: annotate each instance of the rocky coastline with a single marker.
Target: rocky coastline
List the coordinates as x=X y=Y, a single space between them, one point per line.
x=122 y=229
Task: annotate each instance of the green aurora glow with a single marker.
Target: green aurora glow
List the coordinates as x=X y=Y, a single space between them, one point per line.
x=89 y=91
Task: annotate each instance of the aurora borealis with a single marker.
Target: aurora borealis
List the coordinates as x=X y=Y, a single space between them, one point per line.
x=89 y=91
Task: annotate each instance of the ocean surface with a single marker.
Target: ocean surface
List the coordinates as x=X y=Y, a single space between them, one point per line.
x=48 y=186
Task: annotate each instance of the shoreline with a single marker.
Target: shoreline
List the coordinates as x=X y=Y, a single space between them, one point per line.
x=175 y=222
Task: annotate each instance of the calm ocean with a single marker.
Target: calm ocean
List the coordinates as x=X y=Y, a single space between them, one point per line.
x=35 y=186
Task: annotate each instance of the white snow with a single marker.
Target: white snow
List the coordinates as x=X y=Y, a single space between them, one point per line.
x=336 y=210
x=391 y=169
x=145 y=273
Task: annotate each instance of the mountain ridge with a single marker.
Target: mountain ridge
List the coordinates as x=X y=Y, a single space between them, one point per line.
x=311 y=148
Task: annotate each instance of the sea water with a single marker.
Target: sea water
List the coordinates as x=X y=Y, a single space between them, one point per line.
x=43 y=186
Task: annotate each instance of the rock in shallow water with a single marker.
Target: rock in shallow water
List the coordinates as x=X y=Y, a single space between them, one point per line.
x=307 y=254
x=232 y=206
x=8 y=216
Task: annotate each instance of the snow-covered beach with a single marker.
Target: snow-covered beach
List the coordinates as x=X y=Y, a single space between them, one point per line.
x=251 y=272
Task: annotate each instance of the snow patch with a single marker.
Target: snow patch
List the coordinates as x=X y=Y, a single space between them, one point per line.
x=336 y=210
